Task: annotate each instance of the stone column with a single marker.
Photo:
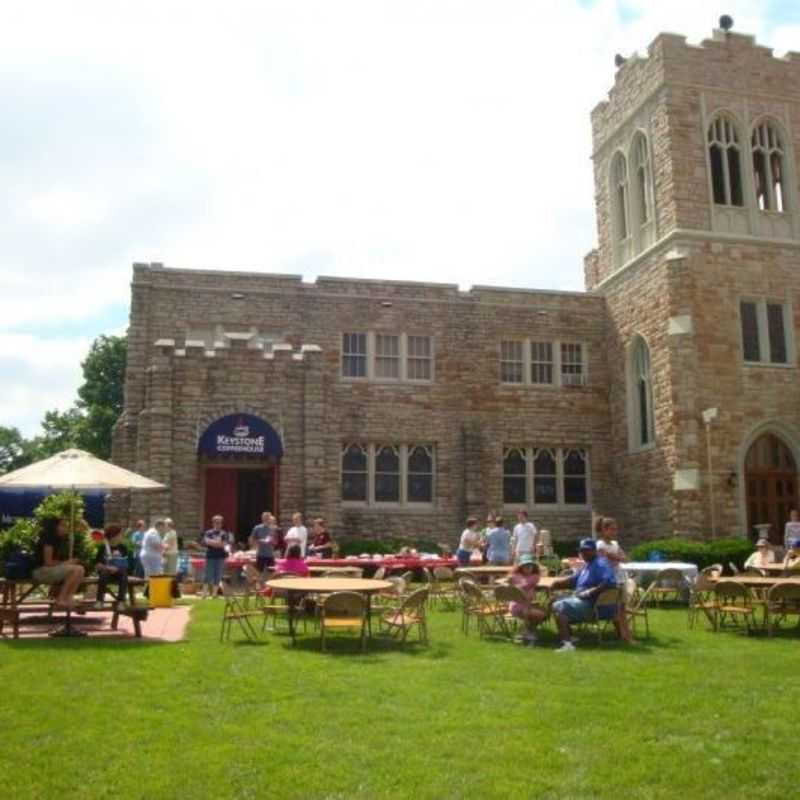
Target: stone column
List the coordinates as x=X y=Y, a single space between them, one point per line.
x=310 y=357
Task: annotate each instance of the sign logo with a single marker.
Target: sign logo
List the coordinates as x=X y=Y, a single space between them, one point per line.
x=240 y=435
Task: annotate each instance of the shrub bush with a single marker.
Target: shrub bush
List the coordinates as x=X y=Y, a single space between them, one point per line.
x=354 y=547
x=24 y=533
x=697 y=552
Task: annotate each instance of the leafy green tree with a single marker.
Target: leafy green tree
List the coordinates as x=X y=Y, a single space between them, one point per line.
x=14 y=450
x=101 y=397
x=60 y=430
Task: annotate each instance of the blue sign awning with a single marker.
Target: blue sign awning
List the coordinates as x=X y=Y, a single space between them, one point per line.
x=242 y=436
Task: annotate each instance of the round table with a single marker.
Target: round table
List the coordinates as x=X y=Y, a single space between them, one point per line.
x=296 y=587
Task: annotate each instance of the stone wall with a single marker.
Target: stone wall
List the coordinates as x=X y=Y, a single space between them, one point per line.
x=465 y=411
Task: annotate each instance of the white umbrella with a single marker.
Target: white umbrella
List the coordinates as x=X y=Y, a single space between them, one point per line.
x=76 y=469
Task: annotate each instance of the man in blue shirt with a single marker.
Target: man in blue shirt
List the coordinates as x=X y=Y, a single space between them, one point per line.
x=595 y=577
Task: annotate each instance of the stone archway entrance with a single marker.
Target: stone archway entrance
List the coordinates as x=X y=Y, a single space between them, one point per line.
x=240 y=458
x=770 y=485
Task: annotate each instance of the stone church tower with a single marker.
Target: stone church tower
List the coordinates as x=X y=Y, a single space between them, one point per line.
x=698 y=260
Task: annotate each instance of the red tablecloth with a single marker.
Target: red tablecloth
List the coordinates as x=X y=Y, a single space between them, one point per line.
x=390 y=562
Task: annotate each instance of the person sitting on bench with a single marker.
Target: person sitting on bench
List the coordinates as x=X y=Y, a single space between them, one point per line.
x=111 y=563
x=53 y=569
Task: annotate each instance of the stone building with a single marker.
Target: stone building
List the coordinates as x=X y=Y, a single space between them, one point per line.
x=666 y=394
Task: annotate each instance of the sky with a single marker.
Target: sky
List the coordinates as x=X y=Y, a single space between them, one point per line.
x=444 y=140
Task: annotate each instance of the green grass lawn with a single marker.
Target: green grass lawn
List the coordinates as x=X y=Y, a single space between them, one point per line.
x=687 y=714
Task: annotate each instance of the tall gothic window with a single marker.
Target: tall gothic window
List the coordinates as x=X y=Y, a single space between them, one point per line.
x=726 y=164
x=619 y=196
x=642 y=180
x=768 y=167
x=643 y=429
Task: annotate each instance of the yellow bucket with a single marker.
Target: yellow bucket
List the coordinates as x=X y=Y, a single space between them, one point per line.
x=160 y=591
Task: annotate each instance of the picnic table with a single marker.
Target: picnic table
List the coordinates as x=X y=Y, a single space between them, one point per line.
x=297 y=588
x=17 y=598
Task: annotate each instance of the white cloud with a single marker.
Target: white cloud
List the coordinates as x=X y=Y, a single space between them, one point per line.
x=429 y=139
x=39 y=374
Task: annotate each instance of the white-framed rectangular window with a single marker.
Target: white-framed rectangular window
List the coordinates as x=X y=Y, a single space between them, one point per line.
x=572 y=372
x=419 y=361
x=511 y=361
x=766 y=331
x=542 y=363
x=381 y=474
x=538 y=362
x=547 y=477
x=387 y=357
x=354 y=355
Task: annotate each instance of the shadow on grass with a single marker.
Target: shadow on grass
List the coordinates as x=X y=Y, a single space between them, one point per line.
x=376 y=647
x=103 y=642
x=548 y=640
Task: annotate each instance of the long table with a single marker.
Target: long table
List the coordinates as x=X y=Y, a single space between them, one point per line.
x=390 y=563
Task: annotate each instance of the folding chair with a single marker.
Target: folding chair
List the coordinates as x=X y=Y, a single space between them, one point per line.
x=733 y=600
x=343 y=610
x=399 y=621
x=701 y=599
x=668 y=582
x=238 y=608
x=444 y=589
x=635 y=601
x=502 y=620
x=605 y=611
x=783 y=601
x=475 y=604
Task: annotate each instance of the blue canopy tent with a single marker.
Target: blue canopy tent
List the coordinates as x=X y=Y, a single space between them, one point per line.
x=16 y=503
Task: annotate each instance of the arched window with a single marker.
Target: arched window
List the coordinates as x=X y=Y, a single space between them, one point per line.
x=642 y=180
x=726 y=166
x=643 y=427
x=619 y=196
x=768 y=167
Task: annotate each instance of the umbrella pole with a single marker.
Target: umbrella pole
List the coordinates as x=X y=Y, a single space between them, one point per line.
x=72 y=523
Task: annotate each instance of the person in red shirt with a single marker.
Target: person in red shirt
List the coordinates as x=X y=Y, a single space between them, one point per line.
x=321 y=544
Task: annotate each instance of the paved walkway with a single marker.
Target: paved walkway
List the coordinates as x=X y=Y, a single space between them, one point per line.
x=161 y=625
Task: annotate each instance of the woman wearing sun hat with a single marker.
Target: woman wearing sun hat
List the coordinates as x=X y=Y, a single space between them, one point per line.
x=762 y=557
x=525 y=577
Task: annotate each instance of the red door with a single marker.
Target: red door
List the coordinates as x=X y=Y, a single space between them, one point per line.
x=221 y=495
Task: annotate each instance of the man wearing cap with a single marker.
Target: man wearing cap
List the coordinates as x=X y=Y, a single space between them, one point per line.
x=595 y=577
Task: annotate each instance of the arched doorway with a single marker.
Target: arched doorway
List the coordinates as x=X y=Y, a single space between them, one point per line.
x=771 y=484
x=240 y=458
